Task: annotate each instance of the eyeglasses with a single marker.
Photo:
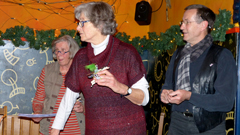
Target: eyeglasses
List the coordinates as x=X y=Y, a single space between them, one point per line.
x=60 y=52
x=186 y=22
x=81 y=23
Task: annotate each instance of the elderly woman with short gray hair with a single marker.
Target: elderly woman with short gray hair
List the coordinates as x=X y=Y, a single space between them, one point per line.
x=115 y=96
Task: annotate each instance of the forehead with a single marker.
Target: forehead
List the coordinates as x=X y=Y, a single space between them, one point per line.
x=62 y=45
x=82 y=17
x=190 y=14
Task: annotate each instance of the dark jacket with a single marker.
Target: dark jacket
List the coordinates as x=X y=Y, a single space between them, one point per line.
x=204 y=84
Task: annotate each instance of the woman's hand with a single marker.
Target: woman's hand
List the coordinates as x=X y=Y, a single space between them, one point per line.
x=37 y=119
x=107 y=79
x=55 y=131
x=78 y=107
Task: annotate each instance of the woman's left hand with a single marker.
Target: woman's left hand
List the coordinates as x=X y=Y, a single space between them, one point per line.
x=107 y=79
x=78 y=107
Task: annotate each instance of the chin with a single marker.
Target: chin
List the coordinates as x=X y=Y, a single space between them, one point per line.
x=185 y=38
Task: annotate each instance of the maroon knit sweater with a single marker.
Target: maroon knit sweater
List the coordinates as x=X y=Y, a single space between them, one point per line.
x=106 y=112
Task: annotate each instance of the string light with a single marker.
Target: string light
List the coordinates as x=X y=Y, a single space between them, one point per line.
x=65 y=11
x=50 y=9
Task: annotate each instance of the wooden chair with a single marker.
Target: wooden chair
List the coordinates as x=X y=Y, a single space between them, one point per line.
x=161 y=122
x=23 y=126
x=19 y=126
x=3 y=120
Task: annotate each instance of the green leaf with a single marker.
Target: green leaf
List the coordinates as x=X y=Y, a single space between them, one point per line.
x=91 y=67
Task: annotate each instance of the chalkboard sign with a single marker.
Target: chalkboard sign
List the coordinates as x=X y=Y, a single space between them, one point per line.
x=20 y=68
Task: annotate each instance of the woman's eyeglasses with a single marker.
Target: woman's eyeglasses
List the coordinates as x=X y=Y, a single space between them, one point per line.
x=81 y=23
x=60 y=52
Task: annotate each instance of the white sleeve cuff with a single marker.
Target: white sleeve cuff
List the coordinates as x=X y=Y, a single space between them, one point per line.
x=65 y=109
x=142 y=84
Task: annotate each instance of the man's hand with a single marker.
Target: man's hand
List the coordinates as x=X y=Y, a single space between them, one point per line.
x=178 y=96
x=165 y=95
x=78 y=107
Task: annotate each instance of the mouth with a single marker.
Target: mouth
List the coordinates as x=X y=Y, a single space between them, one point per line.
x=80 y=33
x=60 y=60
x=184 y=33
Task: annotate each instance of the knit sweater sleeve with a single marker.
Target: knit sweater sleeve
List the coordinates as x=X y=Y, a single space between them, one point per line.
x=37 y=103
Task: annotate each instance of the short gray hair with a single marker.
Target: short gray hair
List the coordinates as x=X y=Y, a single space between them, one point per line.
x=73 y=46
x=203 y=14
x=100 y=15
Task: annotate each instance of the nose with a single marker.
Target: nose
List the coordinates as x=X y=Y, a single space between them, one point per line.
x=182 y=26
x=78 y=28
x=59 y=54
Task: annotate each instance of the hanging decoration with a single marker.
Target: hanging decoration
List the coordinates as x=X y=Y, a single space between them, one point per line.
x=155 y=44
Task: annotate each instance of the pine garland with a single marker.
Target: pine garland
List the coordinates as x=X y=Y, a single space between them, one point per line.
x=155 y=44
x=221 y=25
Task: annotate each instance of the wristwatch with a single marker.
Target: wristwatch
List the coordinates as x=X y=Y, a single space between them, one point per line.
x=129 y=91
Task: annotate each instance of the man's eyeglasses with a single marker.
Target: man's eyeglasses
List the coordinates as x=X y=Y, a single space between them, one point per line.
x=60 y=52
x=81 y=23
x=186 y=22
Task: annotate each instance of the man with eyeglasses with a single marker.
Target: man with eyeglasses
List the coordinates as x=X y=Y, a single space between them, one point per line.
x=201 y=80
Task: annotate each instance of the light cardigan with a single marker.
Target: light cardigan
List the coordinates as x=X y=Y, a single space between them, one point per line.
x=70 y=96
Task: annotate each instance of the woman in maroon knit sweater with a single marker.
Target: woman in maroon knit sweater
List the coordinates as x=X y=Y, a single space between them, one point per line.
x=113 y=106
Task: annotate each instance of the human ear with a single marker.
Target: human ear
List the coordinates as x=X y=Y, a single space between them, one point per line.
x=204 y=25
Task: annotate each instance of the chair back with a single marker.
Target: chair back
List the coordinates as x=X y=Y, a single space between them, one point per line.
x=161 y=122
x=15 y=125
x=3 y=120
x=23 y=126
